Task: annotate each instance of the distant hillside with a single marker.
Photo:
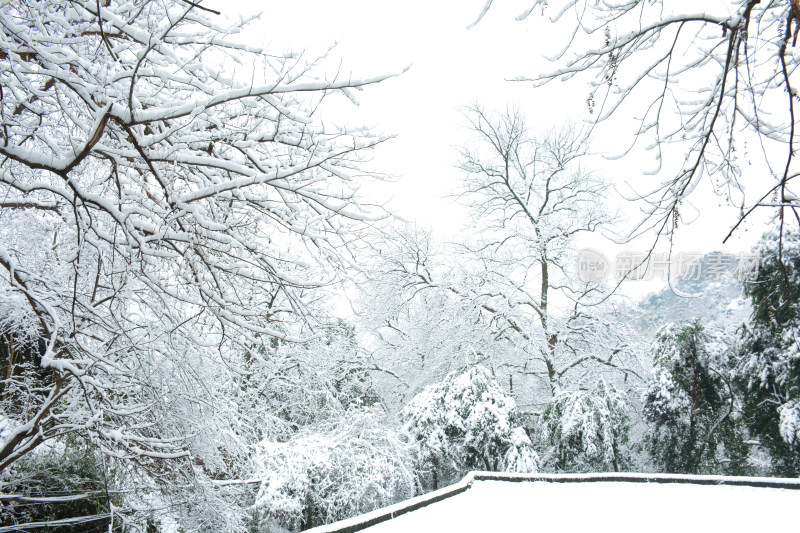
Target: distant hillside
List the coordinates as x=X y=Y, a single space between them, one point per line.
x=710 y=288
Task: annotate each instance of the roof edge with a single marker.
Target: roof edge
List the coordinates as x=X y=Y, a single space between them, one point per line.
x=358 y=523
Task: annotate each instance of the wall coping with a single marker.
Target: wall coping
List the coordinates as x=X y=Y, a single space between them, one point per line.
x=358 y=523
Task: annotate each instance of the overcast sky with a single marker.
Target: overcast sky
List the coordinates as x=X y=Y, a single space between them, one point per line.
x=450 y=67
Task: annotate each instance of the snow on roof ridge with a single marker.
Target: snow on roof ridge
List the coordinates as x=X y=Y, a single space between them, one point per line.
x=638 y=477
x=358 y=523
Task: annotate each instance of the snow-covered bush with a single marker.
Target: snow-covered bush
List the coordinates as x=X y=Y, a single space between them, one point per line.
x=586 y=430
x=330 y=473
x=467 y=422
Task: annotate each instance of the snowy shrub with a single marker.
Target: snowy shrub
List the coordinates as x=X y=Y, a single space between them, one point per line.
x=326 y=474
x=467 y=422
x=520 y=456
x=586 y=430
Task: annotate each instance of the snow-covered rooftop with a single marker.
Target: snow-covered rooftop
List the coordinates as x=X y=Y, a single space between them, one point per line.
x=596 y=502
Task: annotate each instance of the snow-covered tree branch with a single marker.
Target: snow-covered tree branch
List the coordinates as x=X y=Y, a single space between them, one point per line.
x=170 y=201
x=710 y=91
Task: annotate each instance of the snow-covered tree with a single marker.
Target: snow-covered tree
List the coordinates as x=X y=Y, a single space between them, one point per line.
x=790 y=423
x=287 y=386
x=467 y=422
x=690 y=404
x=170 y=199
x=769 y=367
x=412 y=329
x=60 y=481
x=530 y=199
x=512 y=289
x=333 y=471
x=585 y=430
x=705 y=84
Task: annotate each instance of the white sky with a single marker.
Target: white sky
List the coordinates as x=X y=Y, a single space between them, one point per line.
x=452 y=67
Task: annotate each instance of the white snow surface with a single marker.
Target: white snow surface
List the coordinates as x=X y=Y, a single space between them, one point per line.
x=598 y=506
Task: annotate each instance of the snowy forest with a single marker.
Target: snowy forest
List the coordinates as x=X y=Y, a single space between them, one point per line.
x=207 y=324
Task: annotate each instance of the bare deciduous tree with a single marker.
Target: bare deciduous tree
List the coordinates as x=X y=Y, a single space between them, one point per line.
x=718 y=83
x=531 y=199
x=512 y=297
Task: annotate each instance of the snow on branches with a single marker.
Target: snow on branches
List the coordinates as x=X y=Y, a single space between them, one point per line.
x=790 y=423
x=467 y=422
x=162 y=213
x=328 y=474
x=699 y=87
x=769 y=367
x=690 y=404
x=586 y=431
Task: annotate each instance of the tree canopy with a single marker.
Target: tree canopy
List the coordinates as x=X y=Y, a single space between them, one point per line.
x=162 y=214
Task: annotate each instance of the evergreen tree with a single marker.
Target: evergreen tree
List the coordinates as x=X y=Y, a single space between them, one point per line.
x=690 y=404
x=769 y=368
